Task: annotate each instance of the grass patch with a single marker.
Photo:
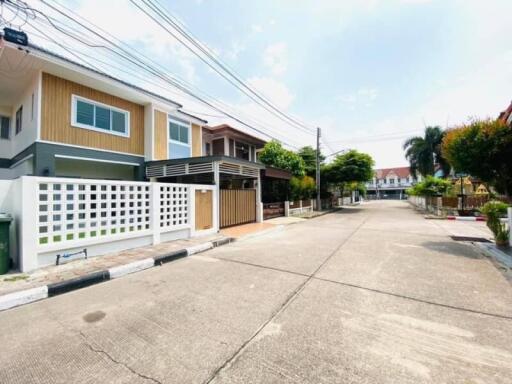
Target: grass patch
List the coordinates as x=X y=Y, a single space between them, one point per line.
x=15 y=278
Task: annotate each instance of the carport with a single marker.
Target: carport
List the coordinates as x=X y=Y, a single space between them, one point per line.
x=238 y=183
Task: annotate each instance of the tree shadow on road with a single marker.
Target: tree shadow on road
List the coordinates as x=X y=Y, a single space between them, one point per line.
x=452 y=249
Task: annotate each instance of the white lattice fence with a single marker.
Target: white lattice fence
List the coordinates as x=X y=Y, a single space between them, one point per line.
x=74 y=210
x=174 y=206
x=57 y=215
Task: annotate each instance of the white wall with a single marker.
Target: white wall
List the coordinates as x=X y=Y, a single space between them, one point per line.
x=18 y=142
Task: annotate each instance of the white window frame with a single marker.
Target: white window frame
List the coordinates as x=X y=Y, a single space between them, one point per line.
x=181 y=123
x=76 y=124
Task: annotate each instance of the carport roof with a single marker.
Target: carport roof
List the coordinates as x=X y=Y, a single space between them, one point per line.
x=205 y=159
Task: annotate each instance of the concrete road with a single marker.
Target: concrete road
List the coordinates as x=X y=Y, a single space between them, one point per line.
x=373 y=294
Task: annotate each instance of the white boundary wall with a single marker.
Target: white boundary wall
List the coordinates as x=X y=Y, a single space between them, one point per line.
x=60 y=215
x=418 y=201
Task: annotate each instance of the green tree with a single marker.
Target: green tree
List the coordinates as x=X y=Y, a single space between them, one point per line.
x=350 y=167
x=482 y=148
x=423 y=153
x=308 y=154
x=274 y=155
x=430 y=186
x=302 y=187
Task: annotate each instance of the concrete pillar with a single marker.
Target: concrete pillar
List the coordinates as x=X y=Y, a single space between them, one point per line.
x=216 y=181
x=259 y=205
x=154 y=204
x=509 y=213
x=286 y=208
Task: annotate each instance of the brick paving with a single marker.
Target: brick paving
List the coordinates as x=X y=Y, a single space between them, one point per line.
x=13 y=282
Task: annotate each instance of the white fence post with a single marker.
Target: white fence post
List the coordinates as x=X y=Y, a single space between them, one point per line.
x=28 y=224
x=509 y=213
x=286 y=208
x=155 y=211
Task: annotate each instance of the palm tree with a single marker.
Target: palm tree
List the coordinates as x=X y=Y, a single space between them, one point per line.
x=424 y=153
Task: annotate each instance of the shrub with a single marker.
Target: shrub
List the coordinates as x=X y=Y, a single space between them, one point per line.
x=302 y=187
x=495 y=210
x=430 y=186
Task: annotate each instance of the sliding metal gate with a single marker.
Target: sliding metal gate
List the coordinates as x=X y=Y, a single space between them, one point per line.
x=237 y=206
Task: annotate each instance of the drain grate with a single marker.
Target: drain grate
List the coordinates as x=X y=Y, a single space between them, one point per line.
x=469 y=238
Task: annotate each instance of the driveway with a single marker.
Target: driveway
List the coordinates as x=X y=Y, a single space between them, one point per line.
x=371 y=294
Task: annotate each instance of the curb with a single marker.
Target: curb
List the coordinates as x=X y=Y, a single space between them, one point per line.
x=466 y=218
x=16 y=299
x=490 y=250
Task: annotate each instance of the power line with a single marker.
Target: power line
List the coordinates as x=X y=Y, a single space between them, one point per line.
x=233 y=78
x=126 y=55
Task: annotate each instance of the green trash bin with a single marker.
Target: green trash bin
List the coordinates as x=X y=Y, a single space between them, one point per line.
x=5 y=222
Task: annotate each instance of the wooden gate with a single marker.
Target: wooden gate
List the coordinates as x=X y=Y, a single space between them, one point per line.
x=204 y=209
x=237 y=206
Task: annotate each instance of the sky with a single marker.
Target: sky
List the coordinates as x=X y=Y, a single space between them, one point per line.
x=369 y=73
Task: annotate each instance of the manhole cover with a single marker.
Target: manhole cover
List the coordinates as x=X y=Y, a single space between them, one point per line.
x=469 y=238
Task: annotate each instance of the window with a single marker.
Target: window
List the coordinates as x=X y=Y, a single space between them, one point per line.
x=100 y=117
x=5 y=125
x=19 y=115
x=179 y=139
x=391 y=181
x=242 y=151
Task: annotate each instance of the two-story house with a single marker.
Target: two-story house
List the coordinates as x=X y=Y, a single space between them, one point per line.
x=391 y=183
x=59 y=118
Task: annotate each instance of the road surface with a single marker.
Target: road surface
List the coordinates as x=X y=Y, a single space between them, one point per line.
x=372 y=294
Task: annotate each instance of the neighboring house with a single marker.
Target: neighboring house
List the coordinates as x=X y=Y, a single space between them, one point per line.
x=506 y=115
x=391 y=183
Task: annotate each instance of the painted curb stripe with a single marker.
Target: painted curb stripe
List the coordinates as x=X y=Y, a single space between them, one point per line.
x=80 y=282
x=16 y=299
x=199 y=248
x=159 y=260
x=466 y=218
x=227 y=240
x=126 y=269
x=27 y=296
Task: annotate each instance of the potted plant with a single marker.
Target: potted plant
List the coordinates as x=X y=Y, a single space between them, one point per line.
x=495 y=210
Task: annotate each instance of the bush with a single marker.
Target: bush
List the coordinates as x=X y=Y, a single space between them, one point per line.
x=302 y=187
x=495 y=210
x=430 y=186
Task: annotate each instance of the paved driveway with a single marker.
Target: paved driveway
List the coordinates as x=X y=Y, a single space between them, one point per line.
x=373 y=294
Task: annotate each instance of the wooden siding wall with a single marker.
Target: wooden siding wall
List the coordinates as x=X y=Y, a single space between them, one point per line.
x=237 y=206
x=204 y=210
x=56 y=118
x=196 y=141
x=161 y=144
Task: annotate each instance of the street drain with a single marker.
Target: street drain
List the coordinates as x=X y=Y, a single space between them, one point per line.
x=469 y=238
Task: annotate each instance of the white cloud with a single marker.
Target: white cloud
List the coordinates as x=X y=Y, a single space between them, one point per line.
x=237 y=47
x=274 y=90
x=256 y=28
x=275 y=58
x=362 y=97
x=151 y=38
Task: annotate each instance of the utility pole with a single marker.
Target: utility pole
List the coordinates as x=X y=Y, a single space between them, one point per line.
x=318 y=201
